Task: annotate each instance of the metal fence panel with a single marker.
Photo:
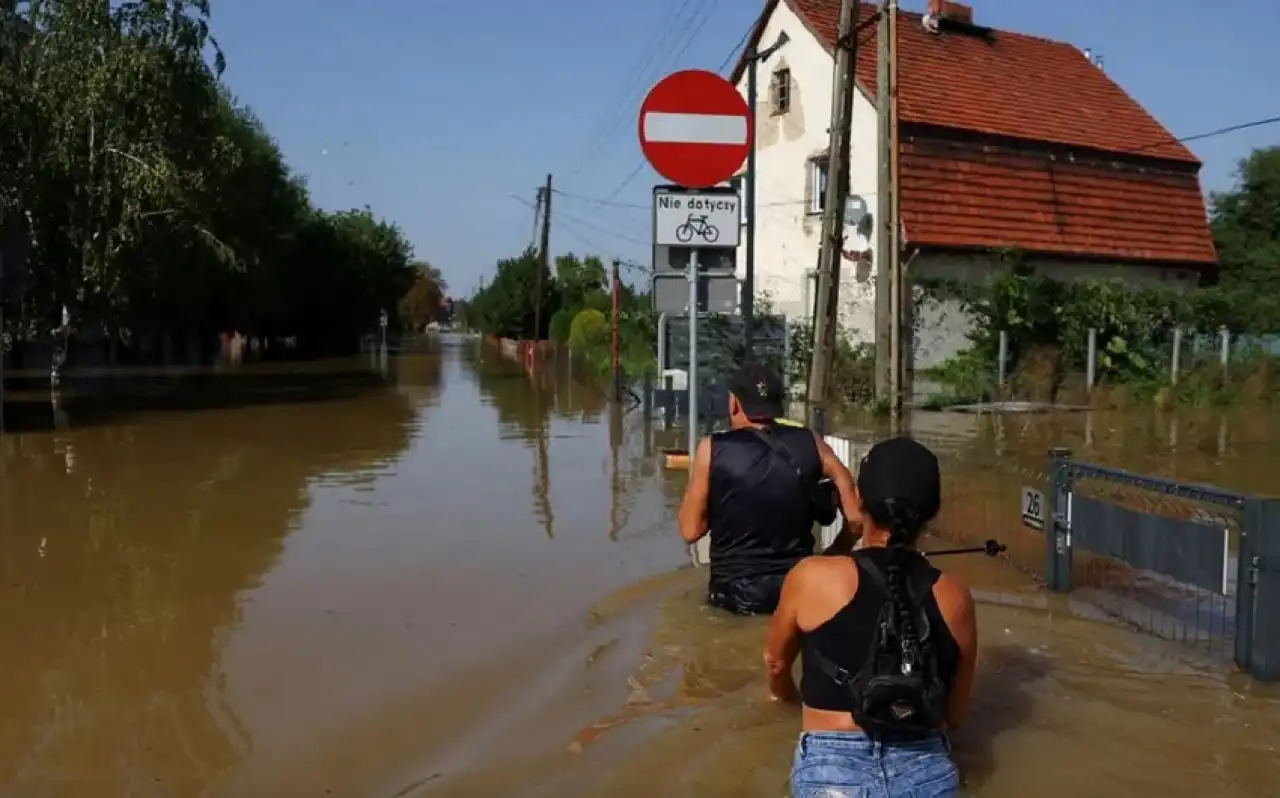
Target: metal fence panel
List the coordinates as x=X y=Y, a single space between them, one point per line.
x=720 y=343
x=1189 y=552
x=1177 y=560
x=720 y=350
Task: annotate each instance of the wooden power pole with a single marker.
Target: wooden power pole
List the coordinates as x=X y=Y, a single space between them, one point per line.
x=544 y=260
x=615 y=347
x=888 y=250
x=834 y=199
x=900 y=341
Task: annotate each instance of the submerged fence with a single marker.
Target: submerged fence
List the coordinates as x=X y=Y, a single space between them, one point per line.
x=1188 y=562
x=1193 y=564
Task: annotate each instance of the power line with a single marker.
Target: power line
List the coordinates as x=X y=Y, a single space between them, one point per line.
x=692 y=26
x=605 y=124
x=626 y=181
x=595 y=201
x=603 y=230
x=569 y=221
x=587 y=242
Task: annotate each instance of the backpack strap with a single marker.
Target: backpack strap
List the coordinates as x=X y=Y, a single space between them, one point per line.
x=868 y=566
x=831 y=670
x=837 y=674
x=919 y=586
x=779 y=450
x=920 y=582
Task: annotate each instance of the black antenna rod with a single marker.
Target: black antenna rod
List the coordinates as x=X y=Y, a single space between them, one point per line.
x=991 y=548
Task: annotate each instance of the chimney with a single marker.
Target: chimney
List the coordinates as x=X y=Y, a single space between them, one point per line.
x=957 y=12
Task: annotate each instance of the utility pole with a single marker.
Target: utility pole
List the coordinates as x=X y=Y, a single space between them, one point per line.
x=2 y=348
x=544 y=261
x=749 y=277
x=615 y=348
x=837 y=193
x=899 y=340
x=537 y=219
x=888 y=251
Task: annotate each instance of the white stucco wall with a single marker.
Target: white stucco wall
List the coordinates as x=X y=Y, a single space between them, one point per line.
x=788 y=236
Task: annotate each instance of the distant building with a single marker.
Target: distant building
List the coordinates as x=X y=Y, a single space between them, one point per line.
x=1008 y=141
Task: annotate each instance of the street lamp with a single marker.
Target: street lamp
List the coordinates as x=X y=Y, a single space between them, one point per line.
x=754 y=58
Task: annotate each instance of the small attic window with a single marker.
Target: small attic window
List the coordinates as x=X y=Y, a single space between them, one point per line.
x=780 y=91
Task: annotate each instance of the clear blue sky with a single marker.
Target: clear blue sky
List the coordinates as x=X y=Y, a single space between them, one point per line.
x=434 y=112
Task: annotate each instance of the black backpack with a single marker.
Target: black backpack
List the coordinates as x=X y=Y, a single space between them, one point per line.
x=892 y=701
x=821 y=495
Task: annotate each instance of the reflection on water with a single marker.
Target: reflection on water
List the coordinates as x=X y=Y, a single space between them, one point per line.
x=124 y=547
x=385 y=576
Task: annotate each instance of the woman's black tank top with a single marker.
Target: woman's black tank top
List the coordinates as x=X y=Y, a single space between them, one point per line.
x=845 y=638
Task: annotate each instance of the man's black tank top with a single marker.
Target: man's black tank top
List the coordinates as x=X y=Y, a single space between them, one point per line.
x=845 y=638
x=758 y=513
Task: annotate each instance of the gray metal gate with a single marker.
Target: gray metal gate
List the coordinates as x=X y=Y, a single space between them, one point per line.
x=721 y=349
x=1193 y=563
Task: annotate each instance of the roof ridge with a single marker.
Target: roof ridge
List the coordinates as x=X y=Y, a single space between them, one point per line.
x=1004 y=31
x=1011 y=83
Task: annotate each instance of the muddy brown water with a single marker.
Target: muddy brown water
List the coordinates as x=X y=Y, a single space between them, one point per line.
x=432 y=576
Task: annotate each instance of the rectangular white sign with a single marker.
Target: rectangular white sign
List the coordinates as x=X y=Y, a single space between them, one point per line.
x=1032 y=508
x=696 y=219
x=695 y=128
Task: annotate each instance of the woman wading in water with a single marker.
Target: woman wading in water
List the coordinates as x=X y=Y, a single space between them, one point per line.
x=888 y=645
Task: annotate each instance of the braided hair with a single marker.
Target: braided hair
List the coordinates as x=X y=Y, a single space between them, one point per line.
x=904 y=522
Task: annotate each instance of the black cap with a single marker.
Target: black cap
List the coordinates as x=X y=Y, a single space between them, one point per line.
x=902 y=469
x=759 y=391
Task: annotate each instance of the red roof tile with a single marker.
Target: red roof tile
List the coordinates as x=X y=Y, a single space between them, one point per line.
x=967 y=194
x=1014 y=87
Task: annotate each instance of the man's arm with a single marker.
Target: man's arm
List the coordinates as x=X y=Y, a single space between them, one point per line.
x=782 y=646
x=693 y=508
x=847 y=492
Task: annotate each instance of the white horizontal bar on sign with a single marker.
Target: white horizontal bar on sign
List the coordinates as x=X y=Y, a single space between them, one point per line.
x=694 y=128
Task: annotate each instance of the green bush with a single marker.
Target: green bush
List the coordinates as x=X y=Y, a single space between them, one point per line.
x=561 y=324
x=589 y=330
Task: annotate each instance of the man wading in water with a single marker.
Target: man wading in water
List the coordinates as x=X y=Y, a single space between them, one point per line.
x=756 y=489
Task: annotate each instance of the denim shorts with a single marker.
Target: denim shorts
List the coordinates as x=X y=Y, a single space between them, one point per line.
x=851 y=765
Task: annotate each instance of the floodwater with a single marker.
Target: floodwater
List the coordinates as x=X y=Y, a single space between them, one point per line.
x=430 y=576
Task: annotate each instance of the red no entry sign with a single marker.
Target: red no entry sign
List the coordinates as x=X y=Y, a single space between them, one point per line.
x=694 y=128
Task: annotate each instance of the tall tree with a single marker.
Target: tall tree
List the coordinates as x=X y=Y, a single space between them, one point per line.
x=421 y=305
x=148 y=200
x=578 y=279
x=1246 y=223
x=506 y=307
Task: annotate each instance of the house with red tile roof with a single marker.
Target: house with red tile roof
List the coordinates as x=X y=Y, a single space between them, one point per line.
x=1007 y=142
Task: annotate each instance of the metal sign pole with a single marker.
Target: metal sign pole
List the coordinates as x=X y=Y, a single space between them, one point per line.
x=2 y=347
x=693 y=356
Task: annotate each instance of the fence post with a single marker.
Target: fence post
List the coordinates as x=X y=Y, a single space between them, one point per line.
x=819 y=421
x=1176 y=359
x=1258 y=591
x=668 y=401
x=1091 y=368
x=1224 y=351
x=1003 y=368
x=1057 y=534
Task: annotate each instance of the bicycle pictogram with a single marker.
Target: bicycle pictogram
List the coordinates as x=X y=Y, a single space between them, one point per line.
x=699 y=225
